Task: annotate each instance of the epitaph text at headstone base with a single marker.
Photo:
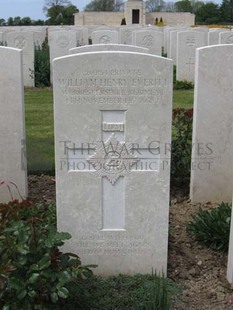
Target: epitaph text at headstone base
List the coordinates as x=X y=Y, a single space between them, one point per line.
x=212 y=169
x=13 y=166
x=113 y=158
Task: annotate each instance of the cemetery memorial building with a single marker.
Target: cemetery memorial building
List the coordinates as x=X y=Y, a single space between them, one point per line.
x=134 y=14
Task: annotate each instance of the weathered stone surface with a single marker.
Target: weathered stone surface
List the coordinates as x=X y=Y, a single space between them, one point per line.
x=25 y=41
x=105 y=37
x=13 y=171
x=226 y=37
x=153 y=40
x=212 y=169
x=187 y=42
x=112 y=135
x=108 y=47
x=60 y=42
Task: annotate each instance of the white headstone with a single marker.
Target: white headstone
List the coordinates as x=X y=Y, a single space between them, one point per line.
x=226 y=37
x=82 y=36
x=13 y=167
x=108 y=47
x=153 y=40
x=60 y=42
x=167 y=31
x=25 y=41
x=212 y=168
x=126 y=35
x=173 y=45
x=187 y=42
x=230 y=253
x=112 y=175
x=105 y=37
x=38 y=38
x=213 y=37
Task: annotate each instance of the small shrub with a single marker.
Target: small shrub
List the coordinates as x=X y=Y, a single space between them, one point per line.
x=34 y=273
x=159 y=293
x=212 y=228
x=42 y=65
x=181 y=85
x=181 y=144
x=138 y=292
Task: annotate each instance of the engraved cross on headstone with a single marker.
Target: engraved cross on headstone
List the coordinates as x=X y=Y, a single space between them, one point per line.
x=112 y=159
x=190 y=64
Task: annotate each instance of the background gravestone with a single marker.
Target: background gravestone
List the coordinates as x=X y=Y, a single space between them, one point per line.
x=212 y=169
x=153 y=40
x=112 y=123
x=12 y=129
x=25 y=41
x=105 y=37
x=82 y=36
x=187 y=42
x=60 y=42
x=226 y=37
x=108 y=47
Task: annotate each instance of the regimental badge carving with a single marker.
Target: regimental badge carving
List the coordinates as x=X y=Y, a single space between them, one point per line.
x=20 y=42
x=127 y=34
x=112 y=159
x=105 y=40
x=62 y=41
x=148 y=40
x=190 y=41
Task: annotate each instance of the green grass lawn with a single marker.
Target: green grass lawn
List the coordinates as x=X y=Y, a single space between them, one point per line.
x=183 y=99
x=40 y=129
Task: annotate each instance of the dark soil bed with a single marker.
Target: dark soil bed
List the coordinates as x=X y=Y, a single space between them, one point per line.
x=200 y=271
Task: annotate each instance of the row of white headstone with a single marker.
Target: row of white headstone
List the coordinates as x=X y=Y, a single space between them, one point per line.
x=179 y=43
x=112 y=140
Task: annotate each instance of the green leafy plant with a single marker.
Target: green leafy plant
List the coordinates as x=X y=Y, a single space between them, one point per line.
x=181 y=144
x=42 y=65
x=158 y=293
x=212 y=227
x=184 y=85
x=181 y=85
x=136 y=292
x=34 y=272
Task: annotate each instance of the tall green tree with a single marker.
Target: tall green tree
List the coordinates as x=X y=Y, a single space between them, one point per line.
x=208 y=13
x=104 y=6
x=184 y=6
x=10 y=21
x=196 y=5
x=59 y=12
x=26 y=21
x=17 y=21
x=2 y=22
x=226 y=11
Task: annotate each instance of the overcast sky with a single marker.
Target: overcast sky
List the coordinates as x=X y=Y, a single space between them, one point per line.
x=34 y=8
